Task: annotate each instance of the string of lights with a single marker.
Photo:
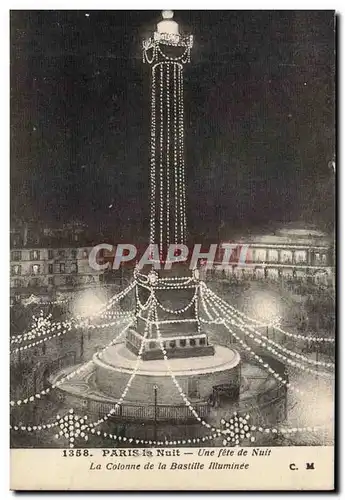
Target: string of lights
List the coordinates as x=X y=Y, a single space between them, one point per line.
x=153 y=158
x=176 y=211
x=266 y=340
x=67 y=377
x=274 y=325
x=161 y=169
x=217 y=432
x=168 y=153
x=213 y=305
x=182 y=164
x=147 y=332
x=180 y=169
x=174 y=379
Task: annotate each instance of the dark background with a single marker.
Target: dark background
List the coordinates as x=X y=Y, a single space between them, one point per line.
x=259 y=119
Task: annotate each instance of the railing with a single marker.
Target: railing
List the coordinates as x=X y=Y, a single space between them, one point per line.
x=148 y=412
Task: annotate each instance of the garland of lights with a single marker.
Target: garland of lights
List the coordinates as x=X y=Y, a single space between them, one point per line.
x=74 y=427
x=183 y=309
x=168 y=153
x=244 y=328
x=78 y=370
x=175 y=155
x=38 y=330
x=233 y=429
x=161 y=171
x=274 y=325
x=130 y=380
x=67 y=325
x=114 y=299
x=175 y=381
x=231 y=310
x=180 y=140
x=263 y=343
x=256 y=356
x=153 y=158
x=38 y=342
x=182 y=165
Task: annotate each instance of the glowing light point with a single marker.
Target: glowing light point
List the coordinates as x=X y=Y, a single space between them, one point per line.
x=167 y=14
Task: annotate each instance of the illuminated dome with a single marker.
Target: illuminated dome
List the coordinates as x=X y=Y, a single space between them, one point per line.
x=168 y=25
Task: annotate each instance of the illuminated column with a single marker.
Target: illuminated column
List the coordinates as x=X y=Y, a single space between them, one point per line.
x=167 y=52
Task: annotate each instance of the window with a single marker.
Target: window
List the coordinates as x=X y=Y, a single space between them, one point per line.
x=17 y=283
x=50 y=269
x=324 y=258
x=300 y=256
x=51 y=280
x=62 y=253
x=35 y=269
x=16 y=270
x=35 y=255
x=62 y=267
x=172 y=344
x=260 y=255
x=192 y=342
x=74 y=267
x=183 y=342
x=202 y=341
x=16 y=255
x=69 y=280
x=317 y=257
x=34 y=282
x=50 y=254
x=273 y=255
x=85 y=254
x=286 y=256
x=74 y=253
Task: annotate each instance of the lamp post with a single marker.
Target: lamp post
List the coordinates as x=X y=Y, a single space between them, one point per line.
x=155 y=389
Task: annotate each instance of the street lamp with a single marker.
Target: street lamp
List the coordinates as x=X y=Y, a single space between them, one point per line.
x=155 y=389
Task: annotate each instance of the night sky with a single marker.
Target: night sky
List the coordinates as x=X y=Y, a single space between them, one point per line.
x=259 y=109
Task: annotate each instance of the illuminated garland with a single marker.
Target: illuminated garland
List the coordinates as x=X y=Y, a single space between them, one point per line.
x=37 y=329
x=275 y=326
x=130 y=380
x=256 y=356
x=153 y=158
x=161 y=171
x=38 y=342
x=279 y=355
x=223 y=305
x=182 y=166
x=175 y=156
x=183 y=309
x=174 y=379
x=78 y=370
x=168 y=153
x=233 y=437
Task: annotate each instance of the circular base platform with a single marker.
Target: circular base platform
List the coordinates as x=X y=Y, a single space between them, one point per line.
x=197 y=376
x=259 y=392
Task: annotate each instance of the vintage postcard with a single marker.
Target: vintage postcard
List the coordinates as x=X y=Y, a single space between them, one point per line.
x=172 y=262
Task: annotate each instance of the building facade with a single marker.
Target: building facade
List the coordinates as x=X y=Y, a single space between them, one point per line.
x=39 y=270
x=293 y=253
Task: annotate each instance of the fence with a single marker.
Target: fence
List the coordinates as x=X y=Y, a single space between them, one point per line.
x=147 y=412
